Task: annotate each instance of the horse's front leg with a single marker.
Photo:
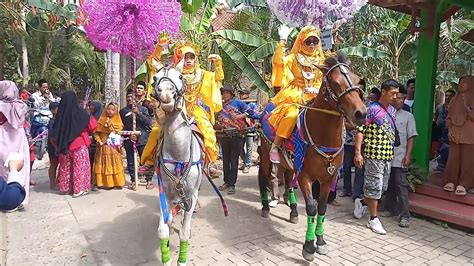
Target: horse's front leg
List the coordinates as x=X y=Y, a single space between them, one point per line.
x=305 y=184
x=321 y=246
x=164 y=236
x=185 y=232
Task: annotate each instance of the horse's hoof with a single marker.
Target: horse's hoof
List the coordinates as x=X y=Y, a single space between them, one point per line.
x=265 y=213
x=322 y=250
x=294 y=219
x=308 y=256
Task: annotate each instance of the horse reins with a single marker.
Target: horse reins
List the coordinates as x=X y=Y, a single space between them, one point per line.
x=328 y=96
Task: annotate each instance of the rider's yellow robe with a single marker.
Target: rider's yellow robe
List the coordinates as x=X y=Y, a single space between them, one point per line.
x=287 y=73
x=201 y=85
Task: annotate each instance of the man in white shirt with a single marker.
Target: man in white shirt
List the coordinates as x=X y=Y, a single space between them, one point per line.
x=42 y=96
x=396 y=198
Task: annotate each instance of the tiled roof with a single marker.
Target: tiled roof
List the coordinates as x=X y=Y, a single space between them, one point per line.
x=223 y=19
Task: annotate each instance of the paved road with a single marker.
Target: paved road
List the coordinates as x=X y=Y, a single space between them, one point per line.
x=119 y=228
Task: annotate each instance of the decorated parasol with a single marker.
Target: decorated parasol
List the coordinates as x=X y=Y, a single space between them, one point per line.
x=130 y=27
x=321 y=13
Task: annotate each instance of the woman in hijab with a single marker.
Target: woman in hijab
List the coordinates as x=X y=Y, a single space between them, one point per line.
x=460 y=120
x=108 y=166
x=71 y=130
x=298 y=79
x=95 y=109
x=12 y=134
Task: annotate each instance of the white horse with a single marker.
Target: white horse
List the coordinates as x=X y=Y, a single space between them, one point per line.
x=180 y=162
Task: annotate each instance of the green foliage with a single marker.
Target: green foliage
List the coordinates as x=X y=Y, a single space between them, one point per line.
x=416 y=176
x=244 y=64
x=205 y=22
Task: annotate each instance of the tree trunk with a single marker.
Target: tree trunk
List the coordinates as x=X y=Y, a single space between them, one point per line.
x=47 y=55
x=124 y=77
x=24 y=50
x=112 y=77
x=2 y=58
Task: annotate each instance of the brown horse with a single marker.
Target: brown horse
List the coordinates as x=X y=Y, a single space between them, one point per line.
x=340 y=98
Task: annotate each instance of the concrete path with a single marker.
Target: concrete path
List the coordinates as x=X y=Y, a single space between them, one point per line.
x=119 y=228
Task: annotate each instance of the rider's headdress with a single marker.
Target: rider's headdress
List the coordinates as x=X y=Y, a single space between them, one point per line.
x=305 y=33
x=182 y=48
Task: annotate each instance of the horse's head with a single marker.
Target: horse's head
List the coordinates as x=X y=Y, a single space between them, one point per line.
x=341 y=88
x=168 y=89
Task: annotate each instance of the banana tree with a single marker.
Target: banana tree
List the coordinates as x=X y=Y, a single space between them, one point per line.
x=196 y=25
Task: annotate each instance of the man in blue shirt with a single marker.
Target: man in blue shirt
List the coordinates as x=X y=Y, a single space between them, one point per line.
x=12 y=192
x=247 y=148
x=232 y=128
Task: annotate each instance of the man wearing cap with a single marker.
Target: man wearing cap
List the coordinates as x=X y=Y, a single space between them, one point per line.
x=233 y=130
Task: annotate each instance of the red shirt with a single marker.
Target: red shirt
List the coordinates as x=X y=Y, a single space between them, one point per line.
x=84 y=139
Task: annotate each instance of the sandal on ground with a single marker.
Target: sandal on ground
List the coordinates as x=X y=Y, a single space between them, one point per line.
x=145 y=169
x=460 y=191
x=132 y=186
x=449 y=187
x=79 y=194
x=149 y=185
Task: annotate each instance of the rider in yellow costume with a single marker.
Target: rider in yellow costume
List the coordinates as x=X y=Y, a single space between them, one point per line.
x=298 y=79
x=201 y=85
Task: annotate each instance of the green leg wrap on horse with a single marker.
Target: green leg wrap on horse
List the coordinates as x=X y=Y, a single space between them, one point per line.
x=319 y=225
x=183 y=251
x=310 y=229
x=291 y=192
x=165 y=250
x=264 y=195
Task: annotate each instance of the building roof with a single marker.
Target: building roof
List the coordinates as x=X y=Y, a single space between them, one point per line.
x=223 y=19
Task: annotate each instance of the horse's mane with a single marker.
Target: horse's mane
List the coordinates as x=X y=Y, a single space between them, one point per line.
x=339 y=57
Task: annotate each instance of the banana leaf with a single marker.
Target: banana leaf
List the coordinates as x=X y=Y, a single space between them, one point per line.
x=205 y=21
x=447 y=76
x=264 y=51
x=240 y=36
x=466 y=48
x=192 y=8
x=140 y=75
x=244 y=64
x=185 y=23
x=364 y=52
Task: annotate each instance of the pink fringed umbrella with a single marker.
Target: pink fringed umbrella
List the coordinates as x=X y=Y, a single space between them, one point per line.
x=299 y=13
x=130 y=27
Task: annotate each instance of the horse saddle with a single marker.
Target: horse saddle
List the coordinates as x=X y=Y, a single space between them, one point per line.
x=293 y=148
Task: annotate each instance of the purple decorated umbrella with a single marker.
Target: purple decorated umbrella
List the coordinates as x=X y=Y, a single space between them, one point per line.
x=299 y=13
x=130 y=27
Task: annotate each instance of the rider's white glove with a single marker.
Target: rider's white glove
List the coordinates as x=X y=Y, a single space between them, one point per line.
x=284 y=31
x=311 y=90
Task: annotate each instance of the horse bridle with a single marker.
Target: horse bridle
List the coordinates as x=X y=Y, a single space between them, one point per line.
x=329 y=94
x=178 y=92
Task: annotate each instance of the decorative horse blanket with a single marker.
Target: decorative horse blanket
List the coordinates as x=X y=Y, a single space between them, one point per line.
x=296 y=144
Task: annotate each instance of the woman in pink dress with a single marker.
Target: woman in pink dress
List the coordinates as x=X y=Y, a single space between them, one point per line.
x=71 y=136
x=12 y=134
